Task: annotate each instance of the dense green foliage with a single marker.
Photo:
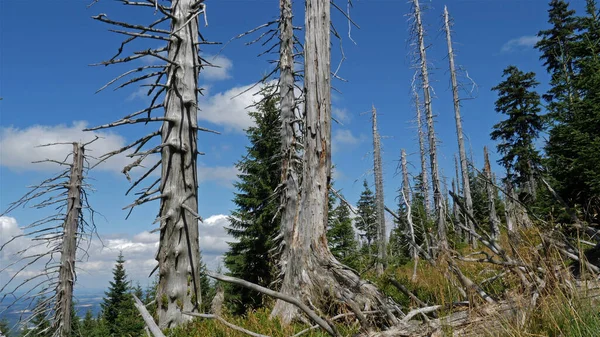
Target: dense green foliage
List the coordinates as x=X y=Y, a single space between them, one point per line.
x=341 y=236
x=367 y=217
x=518 y=132
x=255 y=222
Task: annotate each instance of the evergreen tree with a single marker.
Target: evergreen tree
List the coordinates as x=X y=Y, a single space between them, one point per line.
x=517 y=133
x=4 y=327
x=340 y=236
x=118 y=310
x=367 y=220
x=574 y=141
x=255 y=223
x=40 y=325
x=89 y=324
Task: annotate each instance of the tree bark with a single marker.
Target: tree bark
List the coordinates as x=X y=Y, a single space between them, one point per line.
x=455 y=208
x=179 y=253
x=289 y=171
x=437 y=190
x=494 y=223
x=380 y=207
x=66 y=278
x=459 y=131
x=313 y=275
x=422 y=151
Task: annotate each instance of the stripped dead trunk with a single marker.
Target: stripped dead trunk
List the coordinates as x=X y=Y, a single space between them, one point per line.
x=379 y=203
x=422 y=155
x=66 y=278
x=489 y=187
x=407 y=201
x=313 y=275
x=509 y=208
x=437 y=188
x=179 y=252
x=289 y=171
x=455 y=208
x=459 y=131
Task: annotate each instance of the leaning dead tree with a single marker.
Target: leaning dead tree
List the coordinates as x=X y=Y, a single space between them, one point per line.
x=63 y=233
x=380 y=207
x=466 y=186
x=172 y=146
x=312 y=274
x=407 y=203
x=424 y=74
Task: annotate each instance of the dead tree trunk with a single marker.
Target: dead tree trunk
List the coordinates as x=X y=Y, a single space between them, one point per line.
x=509 y=208
x=313 y=275
x=459 y=131
x=289 y=169
x=407 y=201
x=380 y=207
x=179 y=252
x=66 y=277
x=437 y=188
x=422 y=156
x=456 y=190
x=489 y=186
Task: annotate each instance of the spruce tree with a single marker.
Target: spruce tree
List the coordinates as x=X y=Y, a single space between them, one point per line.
x=254 y=222
x=574 y=141
x=340 y=236
x=118 y=311
x=367 y=220
x=517 y=133
x=40 y=325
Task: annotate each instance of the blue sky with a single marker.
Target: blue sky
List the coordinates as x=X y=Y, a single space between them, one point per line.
x=48 y=90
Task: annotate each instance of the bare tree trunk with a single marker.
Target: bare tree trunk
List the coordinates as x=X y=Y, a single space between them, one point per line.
x=509 y=208
x=313 y=275
x=459 y=131
x=289 y=171
x=66 y=278
x=422 y=151
x=437 y=189
x=380 y=207
x=407 y=201
x=494 y=223
x=179 y=253
x=455 y=208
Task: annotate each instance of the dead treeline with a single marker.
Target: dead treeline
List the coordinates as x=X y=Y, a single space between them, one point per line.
x=530 y=257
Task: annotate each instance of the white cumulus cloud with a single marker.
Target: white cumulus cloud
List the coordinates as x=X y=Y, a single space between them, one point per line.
x=220 y=71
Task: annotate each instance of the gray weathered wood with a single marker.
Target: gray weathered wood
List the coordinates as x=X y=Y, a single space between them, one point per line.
x=289 y=169
x=407 y=202
x=379 y=203
x=179 y=252
x=489 y=187
x=312 y=273
x=422 y=154
x=150 y=324
x=66 y=278
x=459 y=130
x=435 y=179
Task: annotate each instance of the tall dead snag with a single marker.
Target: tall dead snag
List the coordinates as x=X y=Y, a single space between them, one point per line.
x=437 y=188
x=380 y=207
x=289 y=170
x=178 y=254
x=459 y=131
x=62 y=233
x=422 y=153
x=456 y=190
x=489 y=187
x=407 y=200
x=312 y=274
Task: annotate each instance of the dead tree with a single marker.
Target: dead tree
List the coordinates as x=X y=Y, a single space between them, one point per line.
x=459 y=131
x=489 y=187
x=407 y=200
x=289 y=140
x=437 y=188
x=456 y=190
x=176 y=82
x=380 y=207
x=422 y=153
x=313 y=275
x=63 y=233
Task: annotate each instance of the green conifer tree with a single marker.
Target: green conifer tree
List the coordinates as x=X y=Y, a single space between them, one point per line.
x=367 y=220
x=254 y=222
x=340 y=236
x=517 y=133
